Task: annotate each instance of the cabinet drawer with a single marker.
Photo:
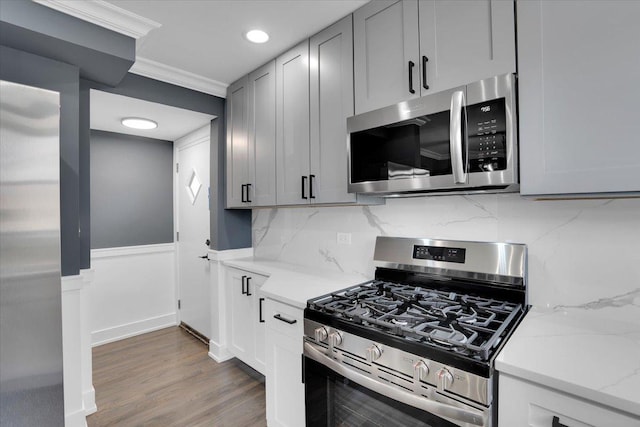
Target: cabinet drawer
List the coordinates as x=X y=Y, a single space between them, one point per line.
x=284 y=318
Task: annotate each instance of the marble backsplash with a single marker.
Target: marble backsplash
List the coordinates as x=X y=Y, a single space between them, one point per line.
x=583 y=254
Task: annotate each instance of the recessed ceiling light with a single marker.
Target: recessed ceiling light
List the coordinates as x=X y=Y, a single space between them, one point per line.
x=139 y=123
x=257 y=36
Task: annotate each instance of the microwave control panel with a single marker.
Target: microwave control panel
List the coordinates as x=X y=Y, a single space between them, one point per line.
x=487 y=136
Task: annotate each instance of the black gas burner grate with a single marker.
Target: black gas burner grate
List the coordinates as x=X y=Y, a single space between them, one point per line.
x=466 y=324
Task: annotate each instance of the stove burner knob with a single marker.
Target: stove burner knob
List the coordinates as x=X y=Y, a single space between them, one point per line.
x=374 y=352
x=445 y=379
x=335 y=338
x=321 y=334
x=421 y=369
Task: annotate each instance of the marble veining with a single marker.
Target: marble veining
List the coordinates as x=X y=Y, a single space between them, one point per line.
x=594 y=354
x=623 y=300
x=583 y=274
x=475 y=203
x=260 y=233
x=581 y=252
x=328 y=258
x=373 y=220
x=622 y=379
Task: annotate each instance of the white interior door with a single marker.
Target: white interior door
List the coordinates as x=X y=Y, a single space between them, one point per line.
x=192 y=194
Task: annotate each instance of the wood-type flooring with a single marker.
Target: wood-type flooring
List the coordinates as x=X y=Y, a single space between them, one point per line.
x=166 y=378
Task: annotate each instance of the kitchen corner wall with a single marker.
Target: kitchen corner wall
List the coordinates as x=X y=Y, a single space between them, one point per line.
x=581 y=252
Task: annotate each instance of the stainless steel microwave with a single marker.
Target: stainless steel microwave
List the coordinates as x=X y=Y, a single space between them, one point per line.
x=463 y=139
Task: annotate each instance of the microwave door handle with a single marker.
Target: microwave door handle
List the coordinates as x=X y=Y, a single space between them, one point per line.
x=457 y=134
x=470 y=416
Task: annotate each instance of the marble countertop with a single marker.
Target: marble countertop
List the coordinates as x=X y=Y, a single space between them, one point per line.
x=293 y=284
x=590 y=351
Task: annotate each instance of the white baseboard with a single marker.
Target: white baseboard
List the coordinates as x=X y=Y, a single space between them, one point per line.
x=129 y=330
x=218 y=353
x=89 y=401
x=75 y=419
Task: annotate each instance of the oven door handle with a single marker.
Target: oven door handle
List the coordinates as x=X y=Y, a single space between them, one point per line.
x=472 y=417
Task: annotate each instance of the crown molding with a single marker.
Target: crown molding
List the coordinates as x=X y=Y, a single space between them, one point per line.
x=104 y=14
x=166 y=73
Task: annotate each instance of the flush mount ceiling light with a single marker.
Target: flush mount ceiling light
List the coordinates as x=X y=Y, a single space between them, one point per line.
x=257 y=36
x=139 y=123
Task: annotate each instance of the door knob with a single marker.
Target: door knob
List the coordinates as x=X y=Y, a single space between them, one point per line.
x=205 y=257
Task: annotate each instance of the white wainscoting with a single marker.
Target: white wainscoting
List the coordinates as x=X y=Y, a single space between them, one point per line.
x=133 y=291
x=79 y=399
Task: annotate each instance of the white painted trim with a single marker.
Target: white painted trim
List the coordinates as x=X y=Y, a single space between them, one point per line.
x=195 y=137
x=87 y=276
x=86 y=356
x=218 y=352
x=71 y=283
x=230 y=254
x=129 y=330
x=75 y=419
x=104 y=14
x=89 y=401
x=132 y=250
x=176 y=76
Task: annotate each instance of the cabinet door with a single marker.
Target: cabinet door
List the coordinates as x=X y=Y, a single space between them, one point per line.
x=579 y=64
x=241 y=324
x=385 y=36
x=465 y=41
x=292 y=126
x=262 y=135
x=238 y=152
x=260 y=330
x=331 y=88
x=284 y=387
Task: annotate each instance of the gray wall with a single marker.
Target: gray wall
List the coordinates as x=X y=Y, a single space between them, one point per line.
x=228 y=225
x=45 y=48
x=27 y=27
x=101 y=54
x=131 y=190
x=230 y=228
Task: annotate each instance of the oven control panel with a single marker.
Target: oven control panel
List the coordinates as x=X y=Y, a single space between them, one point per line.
x=439 y=253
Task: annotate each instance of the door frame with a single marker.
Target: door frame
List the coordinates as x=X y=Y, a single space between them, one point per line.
x=193 y=138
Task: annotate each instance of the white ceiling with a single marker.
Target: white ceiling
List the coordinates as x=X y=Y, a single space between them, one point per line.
x=197 y=44
x=206 y=37
x=108 y=109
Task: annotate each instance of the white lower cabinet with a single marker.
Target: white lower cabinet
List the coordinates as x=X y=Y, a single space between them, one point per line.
x=522 y=403
x=246 y=325
x=285 y=390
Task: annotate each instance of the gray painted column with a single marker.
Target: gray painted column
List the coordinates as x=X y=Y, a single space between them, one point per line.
x=32 y=70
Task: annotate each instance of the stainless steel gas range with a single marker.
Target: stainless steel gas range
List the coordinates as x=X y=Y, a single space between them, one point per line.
x=416 y=345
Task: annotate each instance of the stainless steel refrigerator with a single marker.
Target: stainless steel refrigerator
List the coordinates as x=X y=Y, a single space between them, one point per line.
x=31 y=386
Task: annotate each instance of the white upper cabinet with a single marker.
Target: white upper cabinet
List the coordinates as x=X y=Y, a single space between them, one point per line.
x=251 y=138
x=238 y=157
x=410 y=48
x=386 y=46
x=579 y=64
x=465 y=41
x=262 y=135
x=292 y=126
x=331 y=102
